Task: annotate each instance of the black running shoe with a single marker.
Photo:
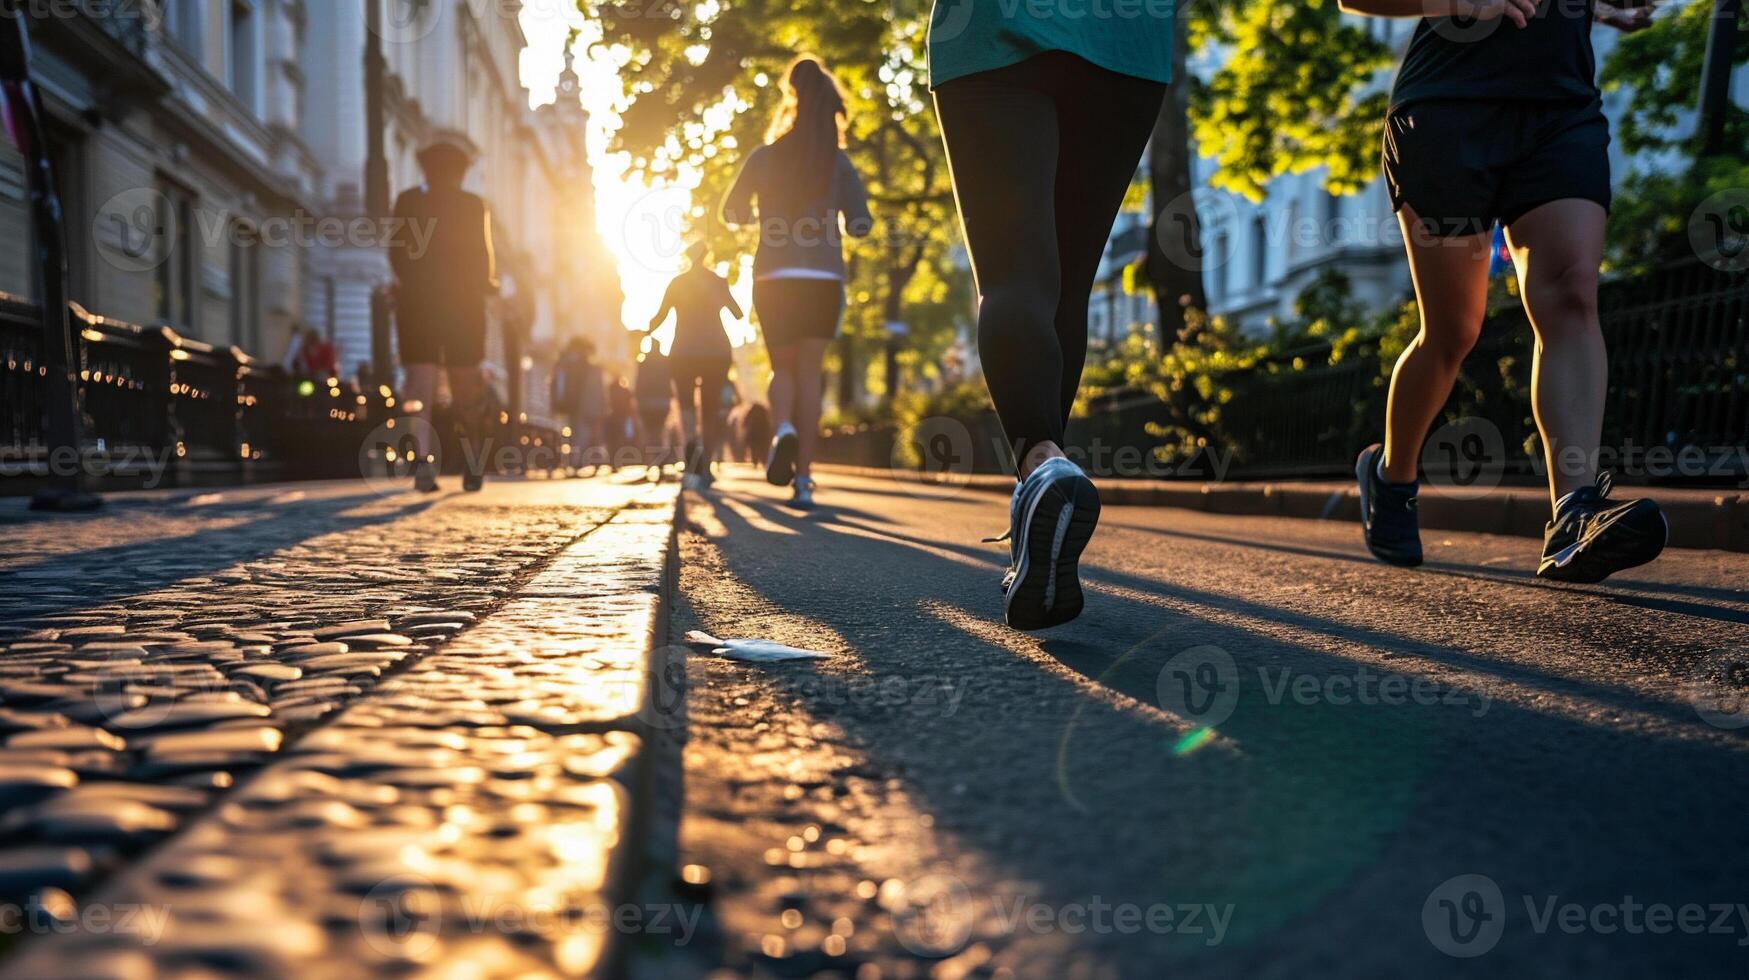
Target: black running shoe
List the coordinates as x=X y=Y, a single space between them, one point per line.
x=780 y=463
x=1591 y=539
x=1054 y=517
x=1389 y=518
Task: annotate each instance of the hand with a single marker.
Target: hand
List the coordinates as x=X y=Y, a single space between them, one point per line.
x=1626 y=19
x=1519 y=12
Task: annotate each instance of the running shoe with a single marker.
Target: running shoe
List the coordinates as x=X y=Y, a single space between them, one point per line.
x=1389 y=515
x=780 y=463
x=1052 y=519
x=803 y=496
x=1010 y=537
x=425 y=478
x=1591 y=539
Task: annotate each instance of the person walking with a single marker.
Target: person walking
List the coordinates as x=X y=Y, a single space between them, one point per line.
x=578 y=397
x=440 y=296
x=1044 y=116
x=699 y=358
x=804 y=193
x=655 y=395
x=1495 y=116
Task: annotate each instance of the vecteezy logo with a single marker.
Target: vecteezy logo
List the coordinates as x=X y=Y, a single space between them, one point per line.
x=934 y=459
x=1200 y=684
x=135 y=230
x=1463 y=30
x=1465 y=458
x=1718 y=230
x=407 y=21
x=389 y=455
x=1719 y=689
x=1464 y=916
x=1182 y=225
x=934 y=915
x=402 y=917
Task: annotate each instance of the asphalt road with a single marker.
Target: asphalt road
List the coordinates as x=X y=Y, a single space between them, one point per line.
x=1257 y=753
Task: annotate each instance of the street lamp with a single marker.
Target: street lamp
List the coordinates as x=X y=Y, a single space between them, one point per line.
x=1715 y=74
x=24 y=112
x=376 y=175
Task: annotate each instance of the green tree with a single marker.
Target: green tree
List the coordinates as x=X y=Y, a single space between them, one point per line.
x=1292 y=94
x=1648 y=222
x=703 y=80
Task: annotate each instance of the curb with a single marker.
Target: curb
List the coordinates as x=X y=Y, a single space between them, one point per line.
x=1705 y=519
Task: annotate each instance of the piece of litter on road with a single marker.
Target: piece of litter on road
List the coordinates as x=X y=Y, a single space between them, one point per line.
x=752 y=651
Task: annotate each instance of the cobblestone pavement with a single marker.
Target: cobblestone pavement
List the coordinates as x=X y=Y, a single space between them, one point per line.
x=364 y=731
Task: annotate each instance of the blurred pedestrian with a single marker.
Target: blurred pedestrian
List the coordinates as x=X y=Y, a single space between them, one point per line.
x=1045 y=119
x=622 y=420
x=655 y=401
x=440 y=296
x=314 y=357
x=699 y=358
x=579 y=399
x=805 y=195
x=1506 y=127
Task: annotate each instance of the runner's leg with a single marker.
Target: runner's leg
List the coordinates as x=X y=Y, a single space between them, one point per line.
x=1557 y=249
x=1002 y=143
x=1451 y=290
x=809 y=393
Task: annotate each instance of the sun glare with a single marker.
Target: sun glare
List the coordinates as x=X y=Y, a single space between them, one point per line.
x=644 y=226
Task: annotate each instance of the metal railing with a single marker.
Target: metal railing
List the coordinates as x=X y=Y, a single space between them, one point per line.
x=1678 y=342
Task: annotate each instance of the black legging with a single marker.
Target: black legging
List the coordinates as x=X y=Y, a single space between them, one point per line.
x=1042 y=154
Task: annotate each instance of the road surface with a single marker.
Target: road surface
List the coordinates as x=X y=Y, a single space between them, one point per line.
x=1257 y=753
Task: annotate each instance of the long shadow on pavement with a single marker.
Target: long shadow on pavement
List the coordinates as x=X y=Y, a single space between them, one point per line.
x=1326 y=826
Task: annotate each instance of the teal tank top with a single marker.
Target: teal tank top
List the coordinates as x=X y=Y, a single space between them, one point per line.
x=1130 y=37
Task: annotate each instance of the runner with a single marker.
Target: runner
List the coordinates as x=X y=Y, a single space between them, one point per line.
x=699 y=358
x=803 y=191
x=578 y=397
x=655 y=393
x=440 y=302
x=1045 y=118
x=1496 y=117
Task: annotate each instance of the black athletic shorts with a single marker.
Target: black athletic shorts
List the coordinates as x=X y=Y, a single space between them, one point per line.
x=1463 y=165
x=794 y=310
x=449 y=344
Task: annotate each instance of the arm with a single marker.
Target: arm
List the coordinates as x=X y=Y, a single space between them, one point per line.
x=661 y=311
x=400 y=251
x=1624 y=19
x=737 y=206
x=853 y=199
x=729 y=301
x=1518 y=12
x=490 y=258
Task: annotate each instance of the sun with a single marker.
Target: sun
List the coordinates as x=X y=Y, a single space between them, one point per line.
x=643 y=225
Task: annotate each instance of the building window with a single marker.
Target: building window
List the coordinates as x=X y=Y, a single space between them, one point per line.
x=243 y=55
x=245 y=290
x=177 y=272
x=185 y=24
x=1259 y=250
x=1218 y=276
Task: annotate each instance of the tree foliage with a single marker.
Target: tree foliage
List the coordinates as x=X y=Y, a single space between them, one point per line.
x=703 y=80
x=1292 y=95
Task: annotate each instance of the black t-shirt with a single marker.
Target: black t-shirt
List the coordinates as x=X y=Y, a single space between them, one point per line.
x=698 y=298
x=1548 y=60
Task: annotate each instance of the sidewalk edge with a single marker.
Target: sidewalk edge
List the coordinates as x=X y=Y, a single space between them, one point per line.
x=1713 y=519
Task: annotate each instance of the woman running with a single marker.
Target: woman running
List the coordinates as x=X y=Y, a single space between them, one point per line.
x=699 y=358
x=803 y=185
x=1045 y=118
x=1496 y=117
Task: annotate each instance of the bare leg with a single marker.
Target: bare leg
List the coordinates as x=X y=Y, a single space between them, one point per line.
x=782 y=393
x=419 y=399
x=808 y=394
x=1557 y=249
x=467 y=385
x=1451 y=288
